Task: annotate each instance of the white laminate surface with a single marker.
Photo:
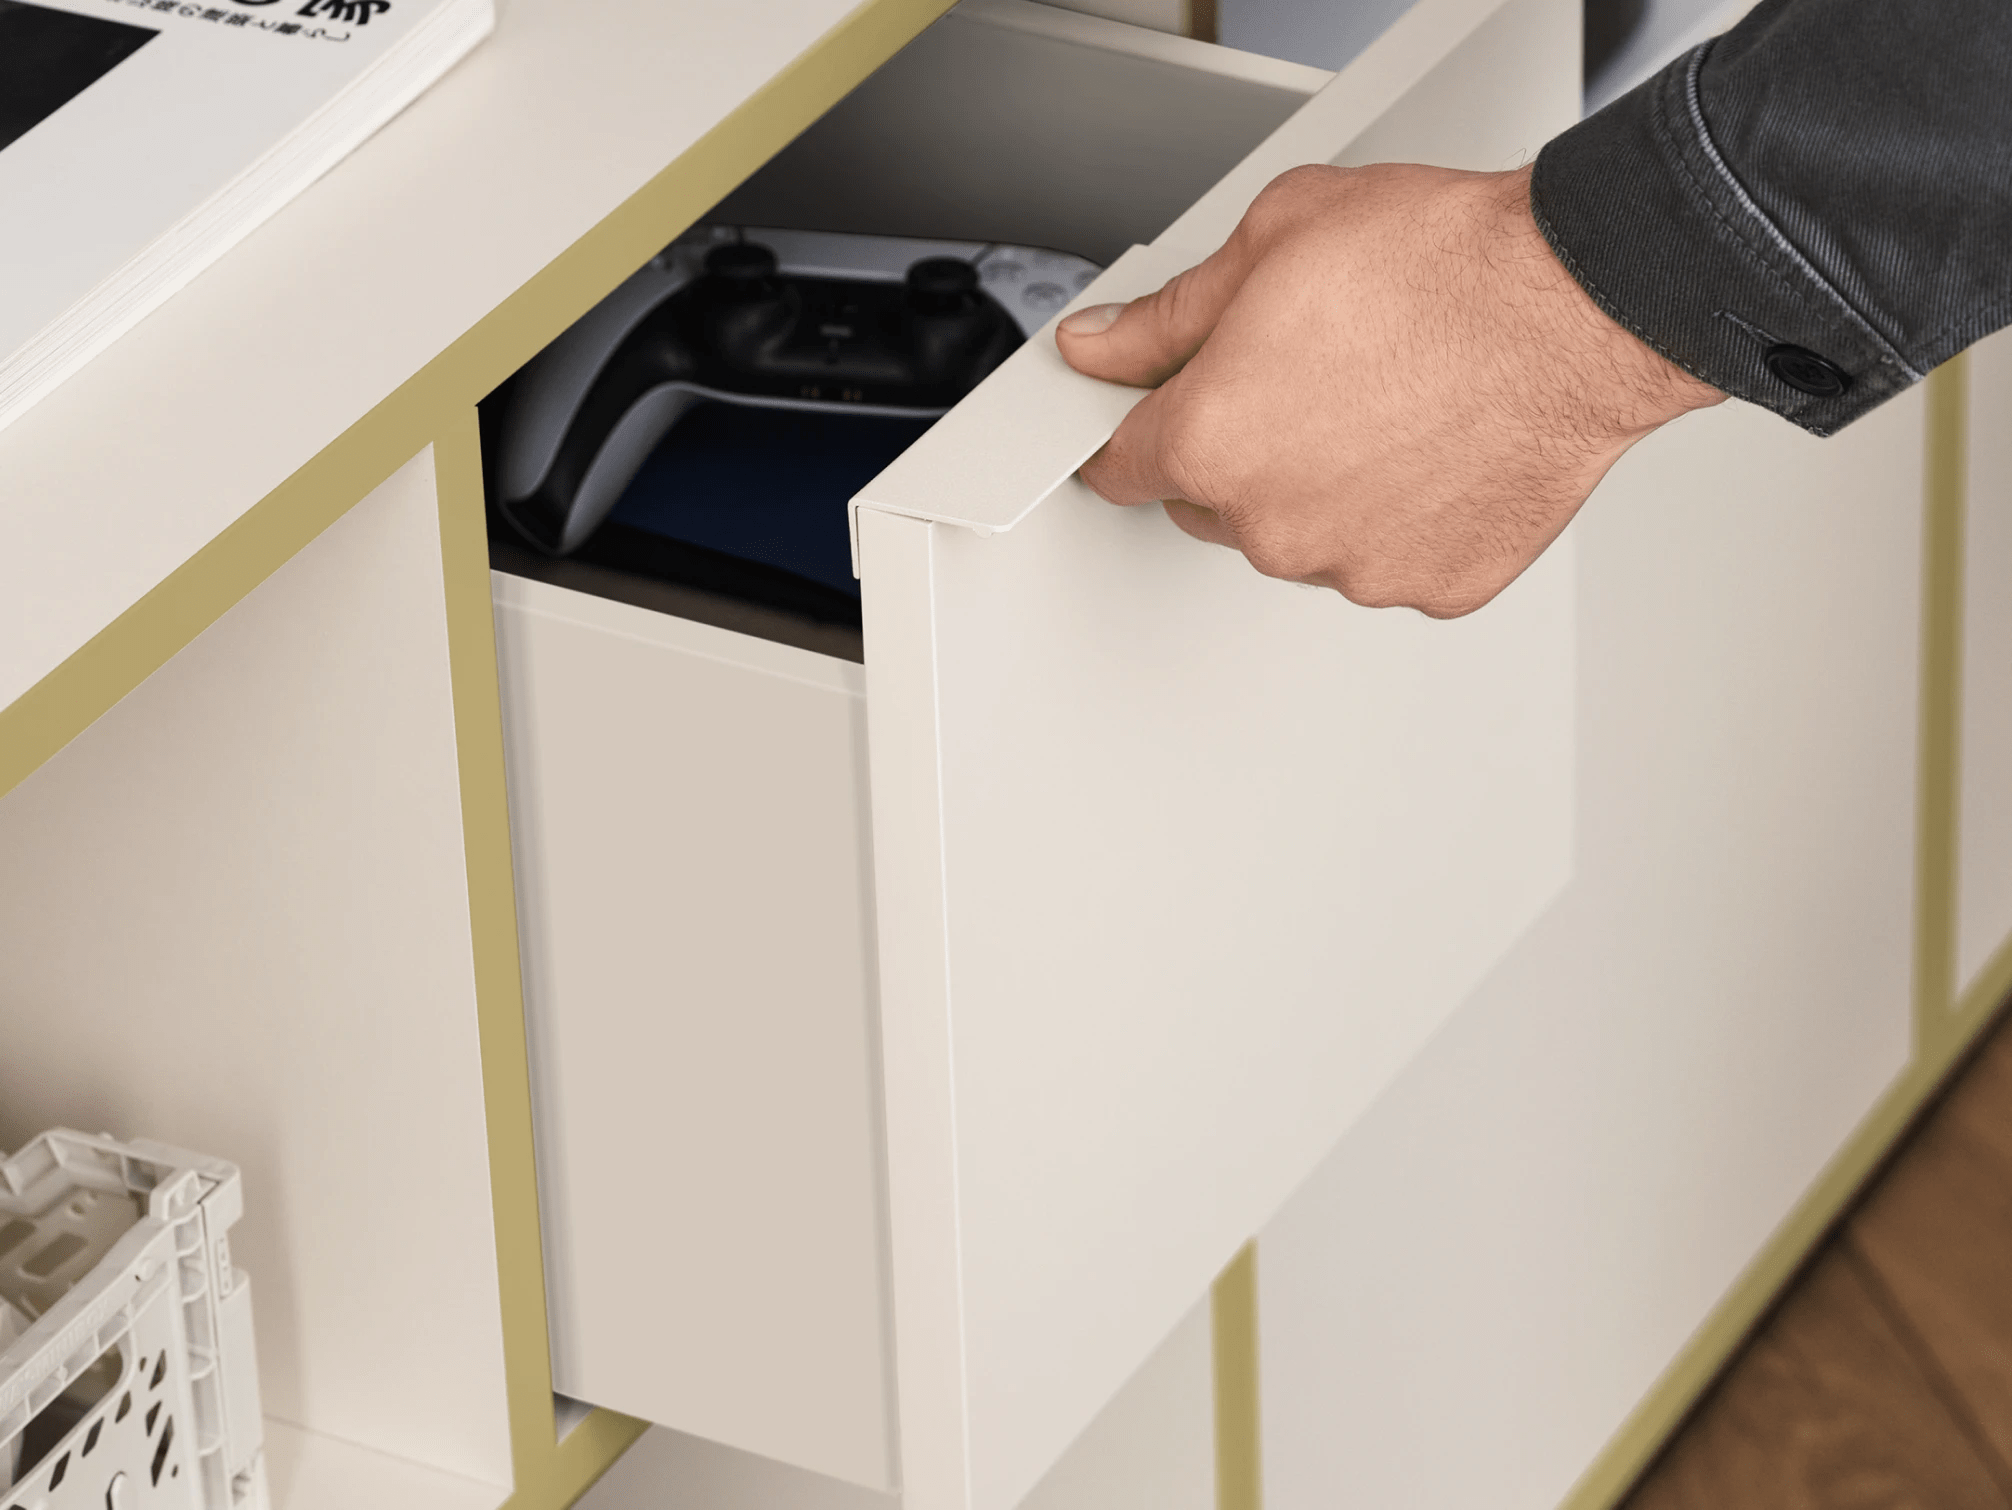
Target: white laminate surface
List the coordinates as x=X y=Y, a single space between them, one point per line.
x=1464 y=1303
x=234 y=917
x=1151 y=1448
x=694 y=892
x=1984 y=835
x=306 y=1470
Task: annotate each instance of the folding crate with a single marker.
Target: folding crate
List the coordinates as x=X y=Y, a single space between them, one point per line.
x=127 y=1373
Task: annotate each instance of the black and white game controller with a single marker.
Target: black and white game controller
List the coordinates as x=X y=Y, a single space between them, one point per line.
x=769 y=319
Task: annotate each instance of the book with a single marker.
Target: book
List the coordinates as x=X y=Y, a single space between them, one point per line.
x=141 y=139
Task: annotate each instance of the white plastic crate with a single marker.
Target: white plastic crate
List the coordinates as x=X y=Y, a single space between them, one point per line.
x=127 y=1375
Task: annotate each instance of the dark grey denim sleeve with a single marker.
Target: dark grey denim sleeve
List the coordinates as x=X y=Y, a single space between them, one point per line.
x=1808 y=212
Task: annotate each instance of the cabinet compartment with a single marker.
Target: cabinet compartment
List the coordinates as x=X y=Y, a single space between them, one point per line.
x=234 y=915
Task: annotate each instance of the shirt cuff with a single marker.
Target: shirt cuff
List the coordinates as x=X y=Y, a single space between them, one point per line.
x=1641 y=208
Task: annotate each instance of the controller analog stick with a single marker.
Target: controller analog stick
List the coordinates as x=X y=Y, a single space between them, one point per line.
x=746 y=267
x=942 y=285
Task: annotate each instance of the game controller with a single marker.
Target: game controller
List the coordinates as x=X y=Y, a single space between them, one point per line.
x=765 y=318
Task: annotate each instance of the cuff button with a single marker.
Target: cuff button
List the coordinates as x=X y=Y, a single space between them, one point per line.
x=1806 y=372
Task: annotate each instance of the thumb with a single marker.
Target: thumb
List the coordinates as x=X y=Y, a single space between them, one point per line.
x=1149 y=340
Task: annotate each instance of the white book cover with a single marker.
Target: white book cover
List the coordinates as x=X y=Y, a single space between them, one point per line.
x=140 y=139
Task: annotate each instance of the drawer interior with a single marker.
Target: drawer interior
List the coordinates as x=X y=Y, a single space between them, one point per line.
x=1015 y=122
x=1005 y=123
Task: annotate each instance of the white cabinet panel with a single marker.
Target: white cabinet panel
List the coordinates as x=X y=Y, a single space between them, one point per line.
x=688 y=821
x=308 y=1471
x=1152 y=1448
x=1212 y=858
x=234 y=916
x=1466 y=1301
x=1984 y=841
x=1178 y=865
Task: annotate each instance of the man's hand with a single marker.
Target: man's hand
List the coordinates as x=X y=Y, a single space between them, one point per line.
x=1384 y=383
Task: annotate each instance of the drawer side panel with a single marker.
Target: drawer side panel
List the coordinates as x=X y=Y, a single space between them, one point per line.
x=687 y=810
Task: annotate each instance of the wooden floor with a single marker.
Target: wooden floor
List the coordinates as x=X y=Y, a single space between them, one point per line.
x=1884 y=1379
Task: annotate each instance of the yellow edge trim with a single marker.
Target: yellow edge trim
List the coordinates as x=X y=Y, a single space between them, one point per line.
x=573 y=1466
x=1944 y=478
x=547 y=1472
x=1944 y=1028
x=492 y=920
x=437 y=405
x=1233 y=1315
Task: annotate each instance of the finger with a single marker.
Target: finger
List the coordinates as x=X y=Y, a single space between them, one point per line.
x=1147 y=341
x=1130 y=467
x=1203 y=524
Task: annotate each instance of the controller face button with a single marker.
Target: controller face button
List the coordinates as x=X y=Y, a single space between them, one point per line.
x=1046 y=297
x=942 y=285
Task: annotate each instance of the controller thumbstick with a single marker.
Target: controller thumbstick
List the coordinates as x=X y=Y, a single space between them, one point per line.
x=942 y=285
x=746 y=267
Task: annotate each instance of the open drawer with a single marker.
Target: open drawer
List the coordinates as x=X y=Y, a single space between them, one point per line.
x=914 y=1041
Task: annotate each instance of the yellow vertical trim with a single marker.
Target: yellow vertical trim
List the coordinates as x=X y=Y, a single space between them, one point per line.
x=547 y=1473
x=1233 y=1314
x=1942 y=1031
x=492 y=916
x=1944 y=479
x=1631 y=1449
x=571 y=1468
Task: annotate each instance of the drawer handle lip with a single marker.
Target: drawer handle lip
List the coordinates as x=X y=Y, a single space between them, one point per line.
x=1023 y=431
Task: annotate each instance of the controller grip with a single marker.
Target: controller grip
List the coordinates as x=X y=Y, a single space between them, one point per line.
x=628 y=409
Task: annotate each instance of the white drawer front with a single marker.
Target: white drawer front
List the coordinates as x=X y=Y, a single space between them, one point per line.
x=1178 y=866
